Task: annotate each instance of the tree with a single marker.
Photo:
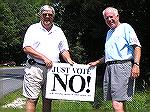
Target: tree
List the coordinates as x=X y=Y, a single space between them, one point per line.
x=16 y=17
x=8 y=31
x=83 y=22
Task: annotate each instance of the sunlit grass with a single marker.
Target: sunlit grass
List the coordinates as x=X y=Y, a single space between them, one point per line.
x=140 y=103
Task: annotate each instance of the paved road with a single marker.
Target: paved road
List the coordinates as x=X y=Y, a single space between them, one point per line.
x=10 y=79
x=12 y=70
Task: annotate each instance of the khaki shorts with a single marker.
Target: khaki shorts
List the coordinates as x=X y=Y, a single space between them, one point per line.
x=118 y=84
x=34 y=81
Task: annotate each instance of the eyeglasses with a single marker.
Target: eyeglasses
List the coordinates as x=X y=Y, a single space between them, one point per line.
x=47 y=14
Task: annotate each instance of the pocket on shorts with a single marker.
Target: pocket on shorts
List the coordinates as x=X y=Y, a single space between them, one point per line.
x=35 y=73
x=125 y=69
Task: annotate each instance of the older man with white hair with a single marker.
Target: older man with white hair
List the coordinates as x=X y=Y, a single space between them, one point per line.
x=43 y=43
x=122 y=58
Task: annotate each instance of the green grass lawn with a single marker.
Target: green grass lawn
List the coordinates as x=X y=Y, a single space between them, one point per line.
x=140 y=103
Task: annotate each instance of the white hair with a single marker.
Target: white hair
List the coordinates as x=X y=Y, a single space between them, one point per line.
x=111 y=9
x=46 y=7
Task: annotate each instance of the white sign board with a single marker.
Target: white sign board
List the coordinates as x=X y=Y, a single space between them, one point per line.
x=68 y=82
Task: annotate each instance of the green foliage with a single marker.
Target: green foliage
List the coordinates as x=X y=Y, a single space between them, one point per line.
x=8 y=26
x=81 y=25
x=141 y=102
x=15 y=19
x=82 y=22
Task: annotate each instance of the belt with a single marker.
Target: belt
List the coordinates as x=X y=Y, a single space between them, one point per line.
x=117 y=62
x=33 y=62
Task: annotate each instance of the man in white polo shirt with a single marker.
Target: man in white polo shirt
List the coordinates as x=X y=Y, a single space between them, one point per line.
x=43 y=43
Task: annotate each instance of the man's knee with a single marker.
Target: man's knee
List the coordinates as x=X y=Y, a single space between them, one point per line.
x=31 y=101
x=118 y=106
x=31 y=105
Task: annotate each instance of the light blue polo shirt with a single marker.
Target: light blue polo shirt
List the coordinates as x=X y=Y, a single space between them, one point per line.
x=118 y=43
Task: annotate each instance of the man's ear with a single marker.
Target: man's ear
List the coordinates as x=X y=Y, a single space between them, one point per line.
x=118 y=16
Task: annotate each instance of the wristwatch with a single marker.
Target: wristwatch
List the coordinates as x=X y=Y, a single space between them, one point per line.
x=136 y=63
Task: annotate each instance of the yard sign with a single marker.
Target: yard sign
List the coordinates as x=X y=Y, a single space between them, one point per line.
x=68 y=82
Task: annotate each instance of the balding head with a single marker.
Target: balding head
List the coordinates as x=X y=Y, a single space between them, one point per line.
x=111 y=9
x=46 y=8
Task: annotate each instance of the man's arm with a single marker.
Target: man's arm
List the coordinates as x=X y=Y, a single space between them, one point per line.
x=135 y=72
x=99 y=61
x=66 y=56
x=29 y=50
x=137 y=55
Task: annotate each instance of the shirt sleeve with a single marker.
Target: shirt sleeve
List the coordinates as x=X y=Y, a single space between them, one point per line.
x=131 y=36
x=63 y=45
x=29 y=38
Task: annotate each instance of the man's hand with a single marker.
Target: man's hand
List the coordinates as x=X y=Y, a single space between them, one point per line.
x=66 y=56
x=92 y=64
x=71 y=62
x=95 y=63
x=135 y=72
x=29 y=50
x=48 y=62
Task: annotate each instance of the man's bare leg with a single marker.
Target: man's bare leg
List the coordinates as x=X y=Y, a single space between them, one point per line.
x=31 y=105
x=118 y=106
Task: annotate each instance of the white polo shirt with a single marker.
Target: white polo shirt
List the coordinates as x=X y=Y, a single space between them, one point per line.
x=47 y=43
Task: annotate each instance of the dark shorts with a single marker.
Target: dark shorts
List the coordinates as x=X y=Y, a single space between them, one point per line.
x=118 y=84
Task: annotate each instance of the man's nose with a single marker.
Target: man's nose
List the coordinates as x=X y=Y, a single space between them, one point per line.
x=47 y=15
x=109 y=18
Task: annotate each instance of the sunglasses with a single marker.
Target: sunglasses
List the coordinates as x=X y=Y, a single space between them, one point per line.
x=47 y=14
